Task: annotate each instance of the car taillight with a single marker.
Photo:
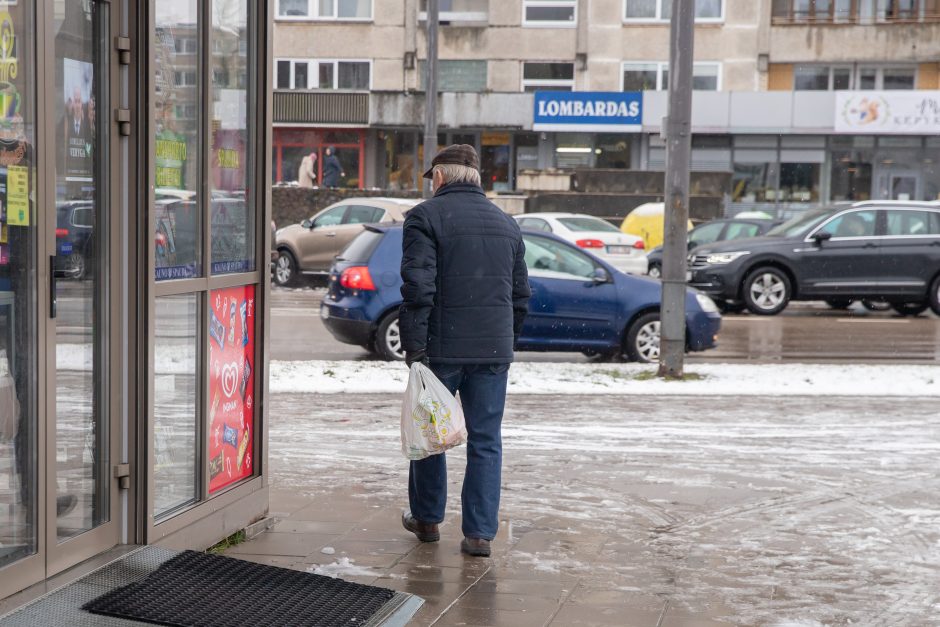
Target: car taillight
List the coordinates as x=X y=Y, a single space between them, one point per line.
x=590 y=243
x=640 y=245
x=61 y=233
x=357 y=279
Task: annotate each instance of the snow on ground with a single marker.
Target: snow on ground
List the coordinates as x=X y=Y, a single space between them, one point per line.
x=338 y=377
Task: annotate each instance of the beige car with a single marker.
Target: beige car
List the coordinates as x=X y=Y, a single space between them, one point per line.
x=308 y=248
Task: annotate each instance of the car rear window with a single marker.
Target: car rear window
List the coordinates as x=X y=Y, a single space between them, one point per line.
x=361 y=248
x=588 y=224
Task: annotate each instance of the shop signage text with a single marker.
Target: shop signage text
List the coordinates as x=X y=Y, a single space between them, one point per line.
x=887 y=112
x=588 y=111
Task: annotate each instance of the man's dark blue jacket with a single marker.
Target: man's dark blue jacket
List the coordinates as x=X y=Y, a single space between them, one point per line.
x=466 y=288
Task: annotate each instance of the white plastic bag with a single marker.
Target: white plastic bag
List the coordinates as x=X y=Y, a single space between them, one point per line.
x=431 y=418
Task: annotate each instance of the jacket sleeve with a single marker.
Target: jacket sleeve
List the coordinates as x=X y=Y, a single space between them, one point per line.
x=419 y=281
x=520 y=290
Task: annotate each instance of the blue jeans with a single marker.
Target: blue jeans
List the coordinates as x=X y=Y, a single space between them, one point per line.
x=482 y=391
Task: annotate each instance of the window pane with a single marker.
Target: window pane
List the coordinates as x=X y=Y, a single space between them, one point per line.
x=326 y=8
x=915 y=223
x=233 y=215
x=708 y=9
x=301 y=73
x=460 y=76
x=641 y=9
x=355 y=8
x=353 y=75
x=811 y=78
x=899 y=78
x=843 y=10
x=325 y=80
x=400 y=159
x=741 y=230
x=705 y=77
x=283 y=75
x=177 y=214
x=331 y=218
x=799 y=182
x=292 y=8
x=548 y=258
x=853 y=224
x=640 y=77
x=360 y=214
x=175 y=414
x=549 y=14
x=705 y=234
x=867 y=78
x=613 y=151
x=753 y=182
x=231 y=385
x=841 y=79
x=851 y=175
x=548 y=71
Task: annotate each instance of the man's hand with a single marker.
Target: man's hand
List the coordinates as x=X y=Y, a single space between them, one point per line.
x=416 y=357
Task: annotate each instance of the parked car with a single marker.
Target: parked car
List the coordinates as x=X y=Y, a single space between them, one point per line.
x=711 y=232
x=625 y=252
x=75 y=239
x=875 y=251
x=579 y=302
x=308 y=248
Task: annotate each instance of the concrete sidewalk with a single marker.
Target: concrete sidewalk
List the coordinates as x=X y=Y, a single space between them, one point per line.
x=631 y=511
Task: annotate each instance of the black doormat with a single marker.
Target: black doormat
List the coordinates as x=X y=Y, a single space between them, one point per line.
x=194 y=589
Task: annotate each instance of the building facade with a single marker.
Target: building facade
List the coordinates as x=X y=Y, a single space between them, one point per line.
x=358 y=85
x=134 y=222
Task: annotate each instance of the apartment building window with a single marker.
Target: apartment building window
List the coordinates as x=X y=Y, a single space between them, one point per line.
x=835 y=78
x=324 y=9
x=185 y=78
x=856 y=11
x=661 y=10
x=185 y=45
x=457 y=76
x=323 y=74
x=549 y=13
x=457 y=11
x=547 y=77
x=655 y=76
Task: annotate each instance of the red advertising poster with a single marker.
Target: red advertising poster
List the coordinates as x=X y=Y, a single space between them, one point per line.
x=231 y=385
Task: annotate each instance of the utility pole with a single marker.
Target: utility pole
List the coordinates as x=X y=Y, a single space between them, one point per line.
x=678 y=127
x=430 y=91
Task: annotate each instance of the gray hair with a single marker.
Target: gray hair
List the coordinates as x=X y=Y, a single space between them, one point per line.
x=454 y=173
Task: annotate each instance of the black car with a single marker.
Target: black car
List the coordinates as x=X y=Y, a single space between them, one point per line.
x=75 y=239
x=885 y=251
x=711 y=232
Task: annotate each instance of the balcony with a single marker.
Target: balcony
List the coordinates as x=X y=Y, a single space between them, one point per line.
x=855 y=12
x=321 y=107
x=459 y=12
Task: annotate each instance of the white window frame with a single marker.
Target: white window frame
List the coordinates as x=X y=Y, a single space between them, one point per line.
x=527 y=4
x=186 y=71
x=880 y=71
x=548 y=83
x=459 y=17
x=313 y=8
x=316 y=72
x=663 y=66
x=658 y=19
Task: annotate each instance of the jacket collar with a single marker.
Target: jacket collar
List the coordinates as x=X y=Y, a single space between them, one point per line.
x=452 y=188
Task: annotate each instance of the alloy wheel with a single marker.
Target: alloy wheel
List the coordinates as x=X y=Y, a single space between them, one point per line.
x=393 y=340
x=647 y=341
x=655 y=272
x=284 y=272
x=768 y=291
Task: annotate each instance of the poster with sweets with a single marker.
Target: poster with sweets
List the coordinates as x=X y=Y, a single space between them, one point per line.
x=231 y=385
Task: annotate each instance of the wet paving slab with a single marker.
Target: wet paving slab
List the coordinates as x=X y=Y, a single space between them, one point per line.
x=631 y=511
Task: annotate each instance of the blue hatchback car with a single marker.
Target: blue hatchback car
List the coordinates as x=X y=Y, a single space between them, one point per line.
x=579 y=303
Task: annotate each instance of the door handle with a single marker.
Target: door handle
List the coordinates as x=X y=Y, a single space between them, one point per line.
x=330 y=234
x=869 y=245
x=53 y=301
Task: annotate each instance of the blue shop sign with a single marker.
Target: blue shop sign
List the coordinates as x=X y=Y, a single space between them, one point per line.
x=596 y=111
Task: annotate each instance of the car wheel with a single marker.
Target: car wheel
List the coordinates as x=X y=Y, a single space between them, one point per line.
x=602 y=357
x=655 y=272
x=909 y=309
x=934 y=297
x=76 y=262
x=876 y=305
x=285 y=271
x=388 y=339
x=767 y=291
x=839 y=303
x=729 y=306
x=643 y=338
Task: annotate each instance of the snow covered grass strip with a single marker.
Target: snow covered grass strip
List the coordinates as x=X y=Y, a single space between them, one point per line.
x=373 y=377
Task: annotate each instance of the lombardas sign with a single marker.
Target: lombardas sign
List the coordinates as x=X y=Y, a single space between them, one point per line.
x=588 y=111
x=888 y=112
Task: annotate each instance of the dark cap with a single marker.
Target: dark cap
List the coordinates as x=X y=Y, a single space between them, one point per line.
x=455 y=154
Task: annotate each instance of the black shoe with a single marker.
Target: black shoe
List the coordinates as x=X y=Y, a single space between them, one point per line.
x=426 y=532
x=477 y=547
x=65 y=504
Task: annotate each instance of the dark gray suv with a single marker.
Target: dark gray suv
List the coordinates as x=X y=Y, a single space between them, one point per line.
x=878 y=250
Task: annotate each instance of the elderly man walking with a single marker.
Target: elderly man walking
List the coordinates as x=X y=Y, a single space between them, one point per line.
x=464 y=299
